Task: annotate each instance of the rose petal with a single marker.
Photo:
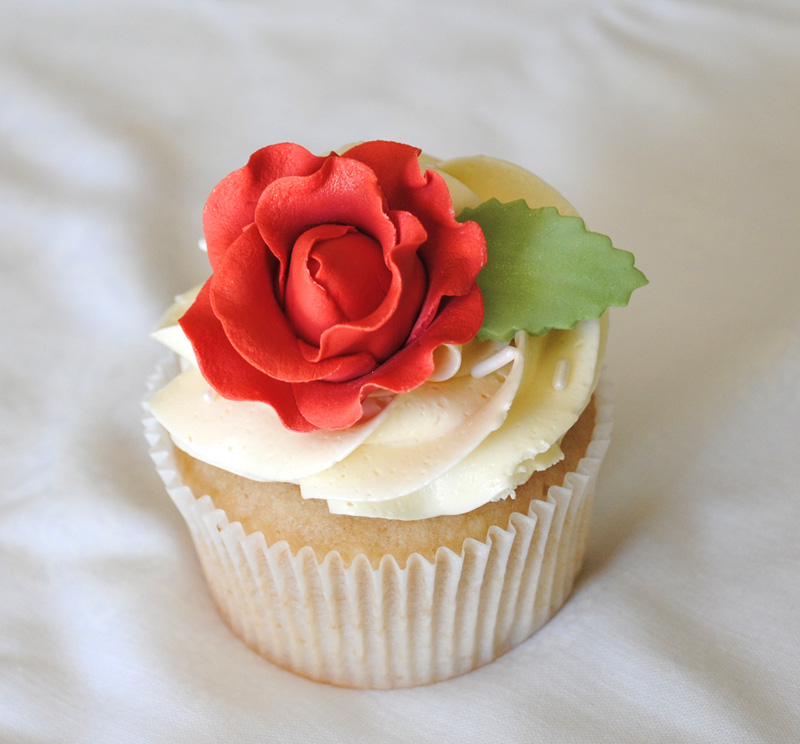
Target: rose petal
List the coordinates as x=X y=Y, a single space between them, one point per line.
x=353 y=272
x=231 y=204
x=337 y=406
x=455 y=252
x=397 y=169
x=326 y=264
x=227 y=372
x=342 y=191
x=386 y=330
x=459 y=255
x=243 y=299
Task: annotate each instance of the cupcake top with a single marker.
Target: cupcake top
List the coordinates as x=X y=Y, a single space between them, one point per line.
x=401 y=336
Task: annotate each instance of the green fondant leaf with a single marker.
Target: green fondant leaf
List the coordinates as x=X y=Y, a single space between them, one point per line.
x=545 y=270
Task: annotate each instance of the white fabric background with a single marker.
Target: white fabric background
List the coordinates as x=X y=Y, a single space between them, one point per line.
x=672 y=125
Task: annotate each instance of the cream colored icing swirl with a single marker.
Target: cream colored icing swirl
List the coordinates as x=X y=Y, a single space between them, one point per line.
x=490 y=415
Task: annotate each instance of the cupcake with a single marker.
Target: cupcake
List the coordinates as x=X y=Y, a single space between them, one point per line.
x=382 y=418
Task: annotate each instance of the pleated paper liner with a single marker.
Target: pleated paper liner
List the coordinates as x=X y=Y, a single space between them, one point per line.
x=390 y=627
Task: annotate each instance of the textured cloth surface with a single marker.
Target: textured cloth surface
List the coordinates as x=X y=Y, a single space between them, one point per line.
x=671 y=125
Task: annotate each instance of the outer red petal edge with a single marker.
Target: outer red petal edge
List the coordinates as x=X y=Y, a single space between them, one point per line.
x=230 y=206
x=465 y=264
x=228 y=373
x=460 y=248
x=395 y=164
x=337 y=406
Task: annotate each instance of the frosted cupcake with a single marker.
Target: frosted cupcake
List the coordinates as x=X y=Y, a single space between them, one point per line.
x=385 y=426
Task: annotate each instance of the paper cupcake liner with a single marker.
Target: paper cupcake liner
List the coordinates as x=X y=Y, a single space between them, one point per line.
x=389 y=627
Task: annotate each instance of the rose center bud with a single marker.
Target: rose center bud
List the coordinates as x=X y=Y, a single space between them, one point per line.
x=336 y=274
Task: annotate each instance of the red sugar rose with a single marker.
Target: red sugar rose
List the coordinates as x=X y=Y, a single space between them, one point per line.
x=332 y=277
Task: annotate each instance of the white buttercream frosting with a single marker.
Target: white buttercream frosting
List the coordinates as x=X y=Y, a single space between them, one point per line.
x=490 y=415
